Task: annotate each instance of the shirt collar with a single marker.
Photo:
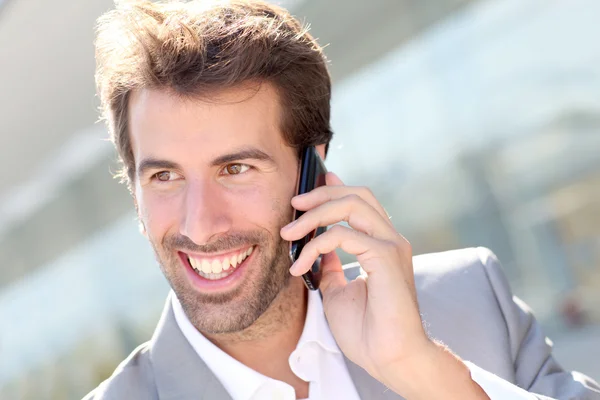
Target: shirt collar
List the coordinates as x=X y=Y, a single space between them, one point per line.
x=316 y=329
x=238 y=379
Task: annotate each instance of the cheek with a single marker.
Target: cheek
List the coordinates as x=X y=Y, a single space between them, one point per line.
x=263 y=205
x=249 y=203
x=158 y=213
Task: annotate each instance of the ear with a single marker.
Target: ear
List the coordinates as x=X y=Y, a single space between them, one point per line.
x=321 y=150
x=141 y=225
x=142 y=228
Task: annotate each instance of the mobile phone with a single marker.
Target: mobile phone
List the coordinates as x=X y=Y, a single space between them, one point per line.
x=311 y=175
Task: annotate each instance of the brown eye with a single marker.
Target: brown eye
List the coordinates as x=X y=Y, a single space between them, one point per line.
x=163 y=176
x=167 y=176
x=236 y=169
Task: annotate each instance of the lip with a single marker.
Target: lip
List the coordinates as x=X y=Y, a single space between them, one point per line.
x=220 y=285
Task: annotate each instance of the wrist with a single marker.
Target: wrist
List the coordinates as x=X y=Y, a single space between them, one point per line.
x=435 y=373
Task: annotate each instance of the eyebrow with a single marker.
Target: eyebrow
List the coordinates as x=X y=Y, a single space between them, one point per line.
x=153 y=163
x=250 y=153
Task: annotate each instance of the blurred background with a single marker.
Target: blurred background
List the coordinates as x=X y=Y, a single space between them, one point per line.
x=475 y=122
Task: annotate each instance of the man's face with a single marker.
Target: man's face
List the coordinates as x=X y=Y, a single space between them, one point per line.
x=213 y=184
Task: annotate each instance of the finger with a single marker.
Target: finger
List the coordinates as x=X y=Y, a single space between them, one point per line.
x=331 y=179
x=347 y=239
x=333 y=273
x=324 y=194
x=352 y=209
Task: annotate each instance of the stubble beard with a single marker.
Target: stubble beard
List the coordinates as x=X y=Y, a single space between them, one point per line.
x=238 y=309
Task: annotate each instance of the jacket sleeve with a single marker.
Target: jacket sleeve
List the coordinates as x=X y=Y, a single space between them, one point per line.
x=531 y=351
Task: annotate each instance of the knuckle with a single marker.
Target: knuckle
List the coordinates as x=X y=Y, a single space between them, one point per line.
x=402 y=245
x=320 y=244
x=353 y=197
x=367 y=192
x=337 y=229
x=353 y=200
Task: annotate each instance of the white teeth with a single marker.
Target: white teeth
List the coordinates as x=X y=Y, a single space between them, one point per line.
x=206 y=267
x=216 y=267
x=213 y=277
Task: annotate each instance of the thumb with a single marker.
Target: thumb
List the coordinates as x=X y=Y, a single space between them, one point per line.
x=332 y=179
x=333 y=273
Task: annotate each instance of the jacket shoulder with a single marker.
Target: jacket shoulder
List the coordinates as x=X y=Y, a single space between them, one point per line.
x=464 y=298
x=464 y=284
x=132 y=379
x=468 y=263
x=448 y=267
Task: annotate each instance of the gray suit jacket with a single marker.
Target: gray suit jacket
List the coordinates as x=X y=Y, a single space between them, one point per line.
x=465 y=302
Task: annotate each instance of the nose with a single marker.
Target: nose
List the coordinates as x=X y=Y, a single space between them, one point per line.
x=206 y=214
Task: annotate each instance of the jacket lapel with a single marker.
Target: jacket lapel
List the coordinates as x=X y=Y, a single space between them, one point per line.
x=179 y=373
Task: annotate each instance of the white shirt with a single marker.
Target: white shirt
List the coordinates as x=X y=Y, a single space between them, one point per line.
x=317 y=359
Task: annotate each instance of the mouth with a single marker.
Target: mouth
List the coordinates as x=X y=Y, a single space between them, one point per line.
x=218 y=271
x=214 y=268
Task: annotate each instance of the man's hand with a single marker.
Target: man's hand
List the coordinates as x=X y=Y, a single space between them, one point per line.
x=375 y=319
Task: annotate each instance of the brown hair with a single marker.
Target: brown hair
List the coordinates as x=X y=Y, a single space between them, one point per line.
x=194 y=48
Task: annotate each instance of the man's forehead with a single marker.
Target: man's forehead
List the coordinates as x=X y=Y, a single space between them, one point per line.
x=249 y=94
x=161 y=122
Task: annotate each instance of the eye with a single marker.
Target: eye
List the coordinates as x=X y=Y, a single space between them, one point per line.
x=235 y=169
x=165 y=176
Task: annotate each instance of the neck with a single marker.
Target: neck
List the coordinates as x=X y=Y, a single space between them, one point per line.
x=266 y=345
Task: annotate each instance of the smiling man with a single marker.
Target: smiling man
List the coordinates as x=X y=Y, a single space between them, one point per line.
x=209 y=105
x=212 y=184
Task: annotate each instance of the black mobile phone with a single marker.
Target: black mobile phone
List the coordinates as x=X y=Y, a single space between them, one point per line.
x=311 y=175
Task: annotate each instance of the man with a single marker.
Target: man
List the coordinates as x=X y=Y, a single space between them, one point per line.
x=209 y=105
